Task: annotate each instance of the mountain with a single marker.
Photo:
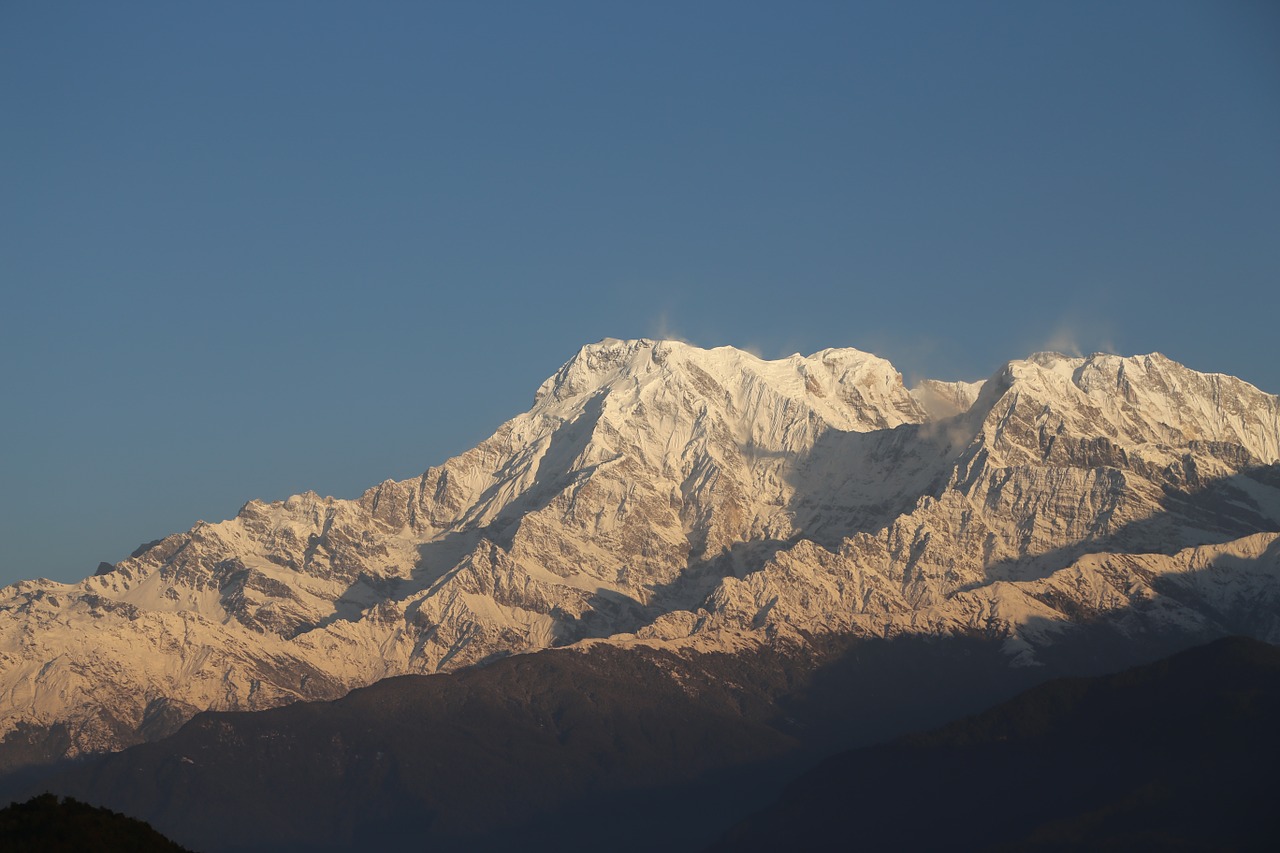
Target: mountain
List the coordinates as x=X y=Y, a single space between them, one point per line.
x=660 y=496
x=1177 y=755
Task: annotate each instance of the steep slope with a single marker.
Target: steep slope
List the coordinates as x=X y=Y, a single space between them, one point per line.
x=1175 y=755
x=661 y=494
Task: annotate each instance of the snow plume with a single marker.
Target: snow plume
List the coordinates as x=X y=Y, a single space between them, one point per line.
x=1077 y=339
x=1064 y=340
x=661 y=329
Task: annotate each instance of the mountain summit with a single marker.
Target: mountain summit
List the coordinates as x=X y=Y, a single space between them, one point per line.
x=661 y=494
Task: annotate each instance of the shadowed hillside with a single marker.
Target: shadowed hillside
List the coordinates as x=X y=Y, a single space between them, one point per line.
x=550 y=751
x=1176 y=755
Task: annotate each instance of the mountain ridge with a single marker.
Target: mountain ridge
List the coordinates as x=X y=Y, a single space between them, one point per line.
x=659 y=493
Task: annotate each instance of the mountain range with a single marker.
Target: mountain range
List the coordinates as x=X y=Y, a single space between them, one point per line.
x=779 y=556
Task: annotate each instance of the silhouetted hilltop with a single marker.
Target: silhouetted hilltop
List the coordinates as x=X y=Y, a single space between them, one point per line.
x=44 y=824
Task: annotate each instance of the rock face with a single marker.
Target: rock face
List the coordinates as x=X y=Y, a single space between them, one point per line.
x=665 y=495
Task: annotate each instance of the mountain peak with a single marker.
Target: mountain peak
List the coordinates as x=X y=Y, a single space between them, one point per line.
x=848 y=388
x=1148 y=401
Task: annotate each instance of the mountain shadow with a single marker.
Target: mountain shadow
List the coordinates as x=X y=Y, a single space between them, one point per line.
x=1175 y=755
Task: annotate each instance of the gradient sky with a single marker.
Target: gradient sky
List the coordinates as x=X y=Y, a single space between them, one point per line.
x=250 y=249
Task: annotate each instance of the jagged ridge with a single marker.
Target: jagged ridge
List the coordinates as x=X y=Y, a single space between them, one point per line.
x=659 y=493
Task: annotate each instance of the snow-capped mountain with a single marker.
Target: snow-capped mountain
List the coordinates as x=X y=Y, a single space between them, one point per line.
x=661 y=494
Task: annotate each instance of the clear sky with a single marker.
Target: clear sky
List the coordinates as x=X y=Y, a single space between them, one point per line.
x=250 y=249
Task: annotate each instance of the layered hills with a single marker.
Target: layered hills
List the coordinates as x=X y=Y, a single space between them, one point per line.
x=635 y=749
x=1176 y=755
x=665 y=498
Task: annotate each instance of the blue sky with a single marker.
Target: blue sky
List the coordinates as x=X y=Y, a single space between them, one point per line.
x=250 y=249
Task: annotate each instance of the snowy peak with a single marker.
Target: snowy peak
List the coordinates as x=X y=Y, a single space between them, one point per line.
x=848 y=389
x=1147 y=401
